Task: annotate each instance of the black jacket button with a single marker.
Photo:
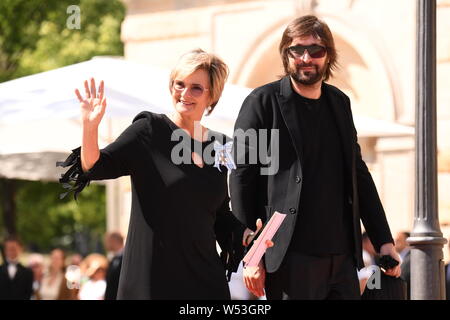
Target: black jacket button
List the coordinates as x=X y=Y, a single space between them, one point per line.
x=292 y=210
x=298 y=179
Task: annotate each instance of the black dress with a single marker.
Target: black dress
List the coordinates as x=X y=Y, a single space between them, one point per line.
x=178 y=212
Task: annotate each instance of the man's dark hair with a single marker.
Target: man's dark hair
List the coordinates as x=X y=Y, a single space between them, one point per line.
x=13 y=238
x=309 y=26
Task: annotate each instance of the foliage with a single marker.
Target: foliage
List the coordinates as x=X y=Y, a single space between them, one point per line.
x=44 y=221
x=34 y=36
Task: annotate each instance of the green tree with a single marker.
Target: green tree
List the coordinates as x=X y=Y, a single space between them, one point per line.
x=19 y=30
x=44 y=221
x=34 y=36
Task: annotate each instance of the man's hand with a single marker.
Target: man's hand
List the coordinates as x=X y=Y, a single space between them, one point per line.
x=249 y=235
x=388 y=249
x=255 y=278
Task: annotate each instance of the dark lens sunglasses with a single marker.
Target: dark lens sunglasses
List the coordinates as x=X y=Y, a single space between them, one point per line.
x=315 y=51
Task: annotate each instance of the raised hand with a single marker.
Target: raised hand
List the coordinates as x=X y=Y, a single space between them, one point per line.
x=92 y=106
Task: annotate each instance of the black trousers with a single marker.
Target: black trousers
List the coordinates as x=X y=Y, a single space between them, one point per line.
x=304 y=277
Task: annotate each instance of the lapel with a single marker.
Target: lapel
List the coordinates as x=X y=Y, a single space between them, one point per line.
x=5 y=272
x=343 y=121
x=18 y=274
x=289 y=113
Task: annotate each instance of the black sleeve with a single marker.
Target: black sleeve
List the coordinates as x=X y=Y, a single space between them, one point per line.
x=245 y=180
x=229 y=232
x=370 y=206
x=116 y=160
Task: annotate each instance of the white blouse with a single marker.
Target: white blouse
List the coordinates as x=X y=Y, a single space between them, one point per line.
x=50 y=290
x=93 y=290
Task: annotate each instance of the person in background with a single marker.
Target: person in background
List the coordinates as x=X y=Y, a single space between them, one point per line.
x=447 y=275
x=370 y=258
x=404 y=251
x=75 y=259
x=114 y=245
x=36 y=264
x=54 y=284
x=2 y=254
x=16 y=281
x=94 y=267
x=370 y=255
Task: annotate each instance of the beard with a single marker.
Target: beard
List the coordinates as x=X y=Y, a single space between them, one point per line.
x=309 y=77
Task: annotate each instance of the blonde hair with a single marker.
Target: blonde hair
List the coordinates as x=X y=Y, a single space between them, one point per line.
x=212 y=64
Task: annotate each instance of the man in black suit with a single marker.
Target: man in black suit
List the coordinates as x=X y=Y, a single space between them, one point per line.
x=310 y=168
x=113 y=244
x=16 y=281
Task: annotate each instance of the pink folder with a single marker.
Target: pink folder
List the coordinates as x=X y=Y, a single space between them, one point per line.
x=259 y=247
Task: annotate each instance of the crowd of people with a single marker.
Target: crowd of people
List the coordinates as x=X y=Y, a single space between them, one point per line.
x=57 y=276
x=96 y=276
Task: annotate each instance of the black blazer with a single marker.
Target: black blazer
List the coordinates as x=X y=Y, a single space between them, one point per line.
x=253 y=195
x=20 y=287
x=112 y=277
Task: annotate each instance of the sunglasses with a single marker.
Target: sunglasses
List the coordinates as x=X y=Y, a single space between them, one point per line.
x=315 y=51
x=194 y=90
